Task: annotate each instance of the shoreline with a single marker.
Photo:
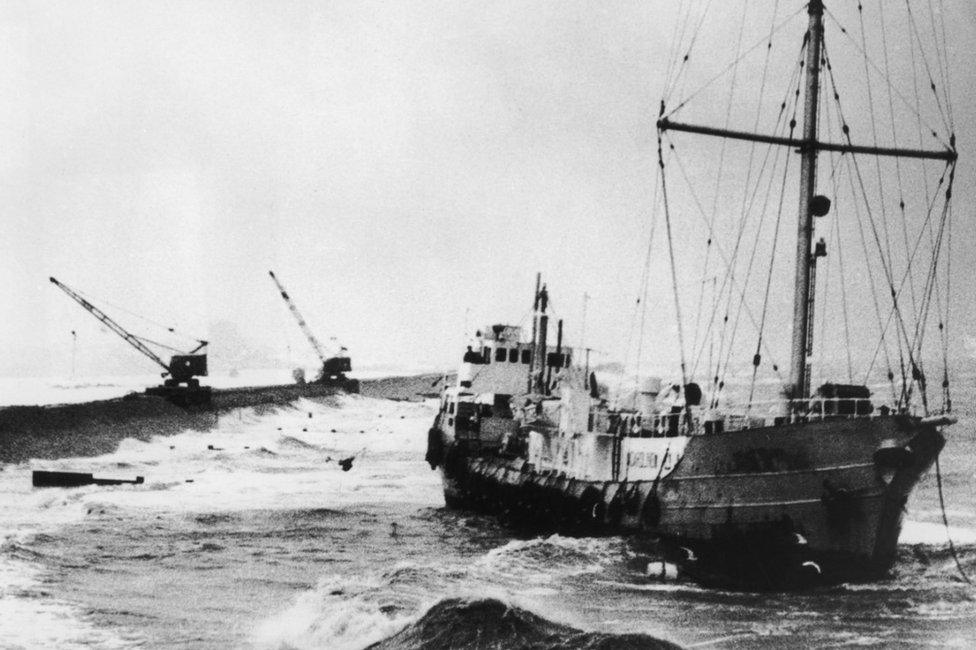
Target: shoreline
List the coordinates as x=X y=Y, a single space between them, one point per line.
x=96 y=427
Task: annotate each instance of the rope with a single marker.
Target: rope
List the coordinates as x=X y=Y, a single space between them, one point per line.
x=674 y=270
x=882 y=342
x=100 y=301
x=877 y=69
x=724 y=360
x=676 y=39
x=735 y=62
x=718 y=178
x=723 y=366
x=837 y=245
x=728 y=280
x=885 y=262
x=874 y=138
x=944 y=325
x=769 y=282
x=942 y=58
x=945 y=522
x=926 y=228
x=158 y=344
x=727 y=260
x=644 y=287
x=894 y=137
x=672 y=83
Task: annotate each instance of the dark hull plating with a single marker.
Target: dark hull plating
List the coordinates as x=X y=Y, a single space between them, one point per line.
x=726 y=520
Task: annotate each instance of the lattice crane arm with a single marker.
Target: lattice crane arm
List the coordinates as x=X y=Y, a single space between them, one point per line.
x=301 y=321
x=112 y=325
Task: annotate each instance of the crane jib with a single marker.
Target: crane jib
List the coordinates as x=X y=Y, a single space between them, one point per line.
x=182 y=367
x=306 y=330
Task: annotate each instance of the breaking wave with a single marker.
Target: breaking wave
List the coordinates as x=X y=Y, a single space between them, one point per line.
x=488 y=623
x=341 y=614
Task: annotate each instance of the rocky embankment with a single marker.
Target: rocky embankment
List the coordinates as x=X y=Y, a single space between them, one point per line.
x=94 y=428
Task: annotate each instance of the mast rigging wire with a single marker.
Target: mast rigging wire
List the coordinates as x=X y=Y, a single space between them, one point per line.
x=172 y=330
x=674 y=271
x=945 y=522
x=718 y=180
x=912 y=317
x=895 y=90
x=834 y=159
x=725 y=70
x=769 y=281
x=747 y=209
x=731 y=283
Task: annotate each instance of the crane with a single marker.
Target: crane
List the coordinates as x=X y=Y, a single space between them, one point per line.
x=182 y=386
x=333 y=367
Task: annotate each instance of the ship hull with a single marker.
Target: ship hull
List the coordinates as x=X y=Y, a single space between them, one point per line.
x=766 y=508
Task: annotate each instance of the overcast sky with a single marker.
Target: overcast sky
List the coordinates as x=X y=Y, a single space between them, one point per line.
x=404 y=167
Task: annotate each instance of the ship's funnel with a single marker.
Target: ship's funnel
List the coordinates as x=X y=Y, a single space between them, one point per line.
x=647 y=394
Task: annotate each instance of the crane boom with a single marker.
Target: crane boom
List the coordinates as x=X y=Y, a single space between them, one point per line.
x=112 y=325
x=301 y=321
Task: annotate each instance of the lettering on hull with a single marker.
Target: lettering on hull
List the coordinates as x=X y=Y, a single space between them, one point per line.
x=606 y=457
x=647 y=459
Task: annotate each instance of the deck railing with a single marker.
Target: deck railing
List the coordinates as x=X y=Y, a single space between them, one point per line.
x=699 y=420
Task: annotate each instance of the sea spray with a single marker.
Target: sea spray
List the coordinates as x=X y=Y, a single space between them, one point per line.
x=341 y=612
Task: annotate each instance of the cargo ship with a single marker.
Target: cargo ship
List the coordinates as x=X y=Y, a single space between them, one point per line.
x=807 y=489
x=807 y=496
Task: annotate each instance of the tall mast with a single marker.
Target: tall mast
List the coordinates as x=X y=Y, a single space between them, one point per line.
x=535 y=328
x=542 y=345
x=802 y=325
x=808 y=147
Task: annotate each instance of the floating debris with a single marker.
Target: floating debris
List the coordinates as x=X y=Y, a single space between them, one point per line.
x=43 y=478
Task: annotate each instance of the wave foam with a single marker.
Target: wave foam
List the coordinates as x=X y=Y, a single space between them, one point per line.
x=933 y=534
x=341 y=612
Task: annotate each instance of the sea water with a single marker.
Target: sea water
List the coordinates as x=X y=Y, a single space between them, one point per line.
x=251 y=535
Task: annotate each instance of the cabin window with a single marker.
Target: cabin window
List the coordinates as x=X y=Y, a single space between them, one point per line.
x=486 y=354
x=450 y=408
x=513 y=355
x=500 y=354
x=526 y=356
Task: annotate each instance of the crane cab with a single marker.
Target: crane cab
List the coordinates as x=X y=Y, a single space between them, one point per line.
x=335 y=366
x=334 y=371
x=182 y=386
x=184 y=367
